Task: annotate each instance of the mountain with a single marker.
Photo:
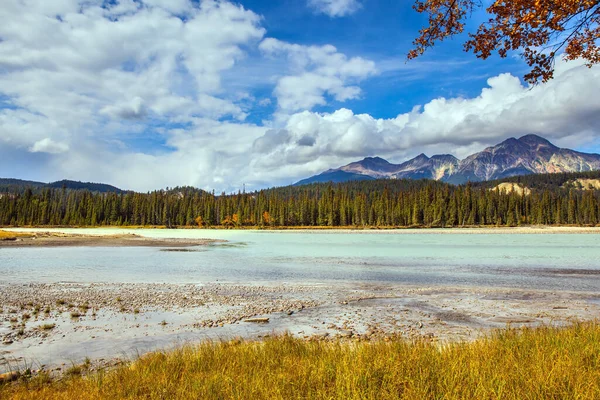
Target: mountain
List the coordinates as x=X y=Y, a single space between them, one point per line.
x=422 y=167
x=9 y=182
x=530 y=154
x=12 y=185
x=92 y=187
x=375 y=167
x=335 y=176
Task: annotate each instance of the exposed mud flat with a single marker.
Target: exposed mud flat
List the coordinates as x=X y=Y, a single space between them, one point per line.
x=57 y=239
x=57 y=325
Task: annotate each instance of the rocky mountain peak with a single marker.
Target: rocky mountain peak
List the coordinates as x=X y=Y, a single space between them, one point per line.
x=374 y=162
x=373 y=166
x=530 y=154
x=375 y=159
x=444 y=158
x=536 y=141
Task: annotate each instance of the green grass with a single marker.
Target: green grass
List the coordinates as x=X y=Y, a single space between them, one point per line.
x=541 y=363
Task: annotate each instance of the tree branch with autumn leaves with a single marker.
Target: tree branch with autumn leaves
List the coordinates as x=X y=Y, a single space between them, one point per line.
x=540 y=29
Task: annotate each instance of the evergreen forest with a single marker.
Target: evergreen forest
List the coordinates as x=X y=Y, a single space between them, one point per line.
x=555 y=199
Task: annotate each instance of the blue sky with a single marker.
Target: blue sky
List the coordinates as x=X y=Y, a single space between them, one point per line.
x=383 y=31
x=146 y=94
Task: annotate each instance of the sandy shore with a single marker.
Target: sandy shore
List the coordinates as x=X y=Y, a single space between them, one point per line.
x=55 y=325
x=57 y=239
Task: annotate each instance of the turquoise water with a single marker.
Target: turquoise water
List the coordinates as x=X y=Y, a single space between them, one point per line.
x=553 y=261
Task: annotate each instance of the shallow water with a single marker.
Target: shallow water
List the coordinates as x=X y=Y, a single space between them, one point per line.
x=464 y=282
x=568 y=262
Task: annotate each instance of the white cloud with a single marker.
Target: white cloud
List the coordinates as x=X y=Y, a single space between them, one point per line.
x=565 y=111
x=226 y=155
x=47 y=145
x=335 y=8
x=83 y=86
x=133 y=109
x=172 y=6
x=316 y=72
x=77 y=66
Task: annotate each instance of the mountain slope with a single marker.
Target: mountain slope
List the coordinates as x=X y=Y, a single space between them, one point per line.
x=375 y=167
x=335 y=176
x=18 y=185
x=92 y=187
x=423 y=167
x=530 y=154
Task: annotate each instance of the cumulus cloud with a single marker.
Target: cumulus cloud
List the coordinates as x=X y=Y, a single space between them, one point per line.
x=133 y=109
x=47 y=145
x=335 y=8
x=316 y=72
x=565 y=111
x=86 y=87
x=225 y=155
x=79 y=66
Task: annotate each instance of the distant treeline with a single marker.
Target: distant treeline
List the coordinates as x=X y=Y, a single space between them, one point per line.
x=383 y=203
x=20 y=186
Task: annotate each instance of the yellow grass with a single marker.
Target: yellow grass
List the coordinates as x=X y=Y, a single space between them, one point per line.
x=7 y=234
x=542 y=363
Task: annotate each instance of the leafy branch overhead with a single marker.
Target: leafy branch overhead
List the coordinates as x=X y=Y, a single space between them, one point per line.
x=540 y=29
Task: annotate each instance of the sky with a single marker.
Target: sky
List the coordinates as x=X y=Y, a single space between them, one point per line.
x=149 y=94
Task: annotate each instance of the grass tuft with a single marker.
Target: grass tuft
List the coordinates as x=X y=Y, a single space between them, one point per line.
x=47 y=327
x=540 y=363
x=74 y=370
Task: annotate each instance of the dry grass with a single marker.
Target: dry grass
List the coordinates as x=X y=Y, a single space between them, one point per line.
x=47 y=327
x=543 y=363
x=5 y=235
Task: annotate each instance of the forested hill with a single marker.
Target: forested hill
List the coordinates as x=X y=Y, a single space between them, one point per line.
x=19 y=186
x=92 y=187
x=552 y=199
x=13 y=185
x=545 y=181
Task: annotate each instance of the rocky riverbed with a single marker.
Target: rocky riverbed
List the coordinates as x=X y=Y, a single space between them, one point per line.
x=55 y=326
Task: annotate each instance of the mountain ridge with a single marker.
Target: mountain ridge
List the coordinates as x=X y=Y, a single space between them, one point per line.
x=529 y=154
x=7 y=184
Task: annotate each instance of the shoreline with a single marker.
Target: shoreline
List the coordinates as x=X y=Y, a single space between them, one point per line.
x=57 y=239
x=133 y=237
x=58 y=324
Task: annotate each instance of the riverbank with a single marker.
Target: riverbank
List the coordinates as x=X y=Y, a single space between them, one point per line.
x=49 y=327
x=62 y=306
x=58 y=239
x=530 y=229
x=537 y=363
